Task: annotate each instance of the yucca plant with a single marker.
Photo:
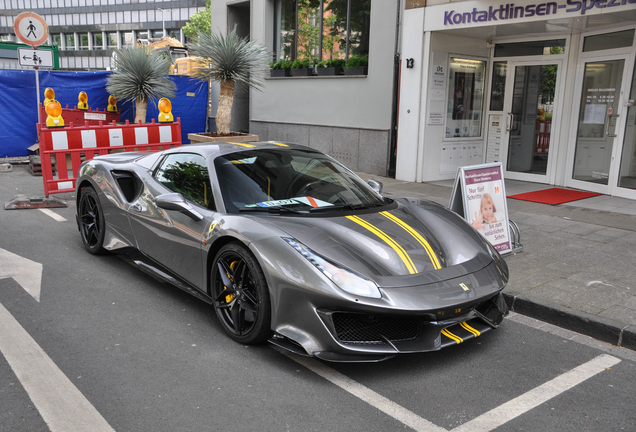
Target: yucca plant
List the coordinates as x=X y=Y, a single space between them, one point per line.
x=228 y=59
x=140 y=76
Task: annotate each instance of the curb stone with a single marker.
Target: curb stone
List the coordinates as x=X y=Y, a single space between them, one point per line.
x=629 y=338
x=594 y=326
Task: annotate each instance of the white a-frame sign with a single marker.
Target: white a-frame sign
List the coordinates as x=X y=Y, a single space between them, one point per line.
x=479 y=196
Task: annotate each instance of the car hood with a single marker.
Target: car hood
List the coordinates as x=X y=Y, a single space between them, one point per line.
x=407 y=244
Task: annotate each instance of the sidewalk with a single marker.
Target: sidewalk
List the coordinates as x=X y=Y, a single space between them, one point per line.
x=578 y=265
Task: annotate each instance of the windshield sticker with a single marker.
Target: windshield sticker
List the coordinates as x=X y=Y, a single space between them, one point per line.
x=277 y=203
x=313 y=202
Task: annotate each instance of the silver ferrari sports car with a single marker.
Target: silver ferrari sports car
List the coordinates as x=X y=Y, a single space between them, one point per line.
x=291 y=247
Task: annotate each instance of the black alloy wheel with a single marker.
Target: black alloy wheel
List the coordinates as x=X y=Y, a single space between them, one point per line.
x=91 y=221
x=241 y=297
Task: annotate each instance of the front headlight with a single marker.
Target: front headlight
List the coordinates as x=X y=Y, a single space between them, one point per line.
x=345 y=279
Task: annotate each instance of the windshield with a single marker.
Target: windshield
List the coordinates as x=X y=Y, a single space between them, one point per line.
x=290 y=181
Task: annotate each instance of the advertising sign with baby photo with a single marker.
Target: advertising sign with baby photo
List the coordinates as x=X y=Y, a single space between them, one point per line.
x=484 y=203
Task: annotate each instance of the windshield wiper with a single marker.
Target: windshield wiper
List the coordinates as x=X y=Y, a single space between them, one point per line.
x=272 y=209
x=347 y=207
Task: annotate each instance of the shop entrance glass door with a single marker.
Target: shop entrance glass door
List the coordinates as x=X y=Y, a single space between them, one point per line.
x=598 y=121
x=627 y=168
x=530 y=120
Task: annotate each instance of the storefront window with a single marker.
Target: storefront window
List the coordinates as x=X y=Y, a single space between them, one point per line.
x=541 y=47
x=608 y=41
x=321 y=29
x=498 y=86
x=465 y=98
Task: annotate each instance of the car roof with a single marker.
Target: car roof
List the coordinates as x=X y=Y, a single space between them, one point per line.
x=215 y=149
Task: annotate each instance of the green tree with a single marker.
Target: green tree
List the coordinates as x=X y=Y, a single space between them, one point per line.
x=140 y=76
x=199 y=21
x=229 y=59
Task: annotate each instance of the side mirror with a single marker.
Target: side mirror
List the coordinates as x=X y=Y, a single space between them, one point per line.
x=376 y=185
x=176 y=201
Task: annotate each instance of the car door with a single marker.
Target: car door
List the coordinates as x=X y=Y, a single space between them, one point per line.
x=170 y=237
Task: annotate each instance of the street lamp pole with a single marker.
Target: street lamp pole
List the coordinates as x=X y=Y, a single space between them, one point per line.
x=163 y=20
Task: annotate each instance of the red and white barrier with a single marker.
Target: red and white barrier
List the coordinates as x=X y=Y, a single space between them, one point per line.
x=80 y=117
x=70 y=145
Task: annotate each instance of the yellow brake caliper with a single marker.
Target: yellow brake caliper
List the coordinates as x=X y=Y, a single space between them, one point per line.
x=230 y=297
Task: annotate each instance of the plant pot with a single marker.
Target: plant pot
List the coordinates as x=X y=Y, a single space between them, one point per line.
x=277 y=73
x=357 y=70
x=206 y=138
x=329 y=71
x=302 y=72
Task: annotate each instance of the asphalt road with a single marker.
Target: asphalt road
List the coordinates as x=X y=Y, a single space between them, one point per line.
x=129 y=353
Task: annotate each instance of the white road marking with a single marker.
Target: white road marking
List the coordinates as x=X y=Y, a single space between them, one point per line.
x=374 y=399
x=485 y=422
x=54 y=215
x=25 y=272
x=535 y=397
x=62 y=406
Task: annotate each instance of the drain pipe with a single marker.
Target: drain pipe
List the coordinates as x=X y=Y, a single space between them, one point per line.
x=392 y=156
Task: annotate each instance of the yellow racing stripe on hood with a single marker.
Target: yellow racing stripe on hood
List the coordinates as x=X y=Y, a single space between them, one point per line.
x=388 y=240
x=425 y=244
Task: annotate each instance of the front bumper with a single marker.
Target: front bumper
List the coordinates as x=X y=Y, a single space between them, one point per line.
x=370 y=338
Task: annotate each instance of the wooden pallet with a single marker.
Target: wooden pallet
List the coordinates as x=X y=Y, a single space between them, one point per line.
x=35 y=165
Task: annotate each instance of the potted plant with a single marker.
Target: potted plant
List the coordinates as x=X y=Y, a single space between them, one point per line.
x=228 y=58
x=280 y=68
x=302 y=67
x=357 y=65
x=329 y=67
x=140 y=76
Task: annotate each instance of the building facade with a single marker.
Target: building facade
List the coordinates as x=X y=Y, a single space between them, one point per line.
x=88 y=31
x=545 y=88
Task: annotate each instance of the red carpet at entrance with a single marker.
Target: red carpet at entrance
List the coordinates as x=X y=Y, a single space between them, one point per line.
x=554 y=196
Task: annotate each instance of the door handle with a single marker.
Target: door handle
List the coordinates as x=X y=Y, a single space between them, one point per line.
x=509 y=122
x=135 y=207
x=609 y=122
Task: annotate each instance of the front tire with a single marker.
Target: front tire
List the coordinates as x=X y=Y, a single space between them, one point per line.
x=241 y=297
x=91 y=221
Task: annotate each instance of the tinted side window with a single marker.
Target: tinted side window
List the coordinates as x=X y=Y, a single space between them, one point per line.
x=187 y=174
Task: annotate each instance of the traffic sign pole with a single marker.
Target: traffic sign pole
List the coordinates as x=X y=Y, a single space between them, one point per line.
x=37 y=89
x=33 y=30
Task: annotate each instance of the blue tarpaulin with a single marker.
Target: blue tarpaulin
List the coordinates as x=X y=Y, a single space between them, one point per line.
x=19 y=117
